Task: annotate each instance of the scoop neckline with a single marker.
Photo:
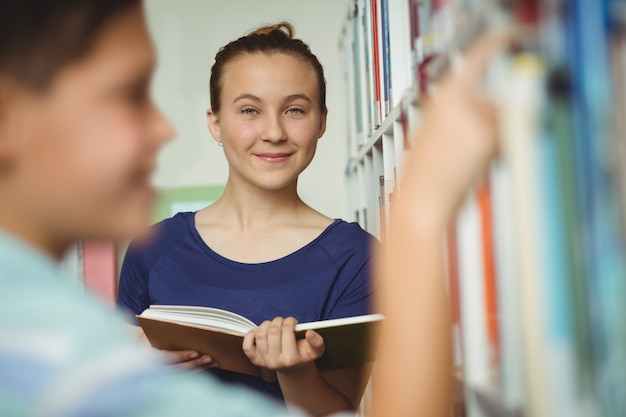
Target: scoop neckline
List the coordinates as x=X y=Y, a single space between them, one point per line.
x=191 y=223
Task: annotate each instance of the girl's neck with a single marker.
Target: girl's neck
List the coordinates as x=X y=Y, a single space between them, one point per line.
x=247 y=207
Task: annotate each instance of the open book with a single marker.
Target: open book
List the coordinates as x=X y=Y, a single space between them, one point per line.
x=218 y=333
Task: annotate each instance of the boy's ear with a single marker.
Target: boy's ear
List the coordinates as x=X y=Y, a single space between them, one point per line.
x=7 y=128
x=214 y=125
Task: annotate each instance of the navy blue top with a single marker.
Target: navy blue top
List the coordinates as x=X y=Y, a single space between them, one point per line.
x=326 y=279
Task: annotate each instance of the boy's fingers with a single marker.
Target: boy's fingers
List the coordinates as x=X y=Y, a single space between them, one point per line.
x=479 y=54
x=483 y=50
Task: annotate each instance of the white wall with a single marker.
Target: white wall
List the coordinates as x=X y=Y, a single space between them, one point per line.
x=187 y=35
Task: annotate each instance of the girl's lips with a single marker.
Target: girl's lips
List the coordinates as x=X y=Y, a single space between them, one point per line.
x=273 y=157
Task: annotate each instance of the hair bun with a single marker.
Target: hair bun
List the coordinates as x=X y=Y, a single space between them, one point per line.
x=284 y=27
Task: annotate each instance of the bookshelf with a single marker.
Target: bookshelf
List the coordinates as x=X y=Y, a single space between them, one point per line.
x=535 y=256
x=92 y=266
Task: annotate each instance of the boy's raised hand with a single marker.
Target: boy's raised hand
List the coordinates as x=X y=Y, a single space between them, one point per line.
x=458 y=135
x=452 y=149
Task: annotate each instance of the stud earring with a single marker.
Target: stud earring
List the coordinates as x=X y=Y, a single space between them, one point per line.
x=219 y=143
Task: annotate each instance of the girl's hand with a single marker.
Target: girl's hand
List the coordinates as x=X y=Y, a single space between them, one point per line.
x=184 y=359
x=273 y=345
x=189 y=359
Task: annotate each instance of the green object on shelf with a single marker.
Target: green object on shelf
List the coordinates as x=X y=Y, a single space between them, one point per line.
x=172 y=200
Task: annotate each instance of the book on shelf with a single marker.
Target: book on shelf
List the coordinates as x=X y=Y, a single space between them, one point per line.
x=452 y=273
x=414 y=34
x=485 y=205
x=376 y=52
x=367 y=66
x=358 y=74
x=349 y=341
x=386 y=58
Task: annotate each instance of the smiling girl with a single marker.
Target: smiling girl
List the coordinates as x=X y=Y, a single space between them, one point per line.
x=259 y=250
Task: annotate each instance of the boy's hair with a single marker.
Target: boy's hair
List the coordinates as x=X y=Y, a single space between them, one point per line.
x=271 y=39
x=39 y=37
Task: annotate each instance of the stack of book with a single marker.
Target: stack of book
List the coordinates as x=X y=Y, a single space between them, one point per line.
x=537 y=252
x=536 y=256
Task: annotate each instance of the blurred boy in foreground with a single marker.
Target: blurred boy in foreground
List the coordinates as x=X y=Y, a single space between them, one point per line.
x=79 y=136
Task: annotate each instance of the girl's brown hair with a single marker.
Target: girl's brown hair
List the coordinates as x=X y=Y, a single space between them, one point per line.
x=271 y=39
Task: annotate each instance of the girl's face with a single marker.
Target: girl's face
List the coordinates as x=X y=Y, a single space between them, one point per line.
x=270 y=119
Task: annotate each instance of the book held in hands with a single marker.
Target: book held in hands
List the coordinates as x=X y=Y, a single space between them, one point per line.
x=349 y=341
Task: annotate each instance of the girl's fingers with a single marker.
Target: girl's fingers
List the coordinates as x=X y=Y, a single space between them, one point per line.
x=261 y=338
x=188 y=359
x=273 y=345
x=203 y=362
x=316 y=342
x=249 y=344
x=289 y=347
x=275 y=339
x=177 y=356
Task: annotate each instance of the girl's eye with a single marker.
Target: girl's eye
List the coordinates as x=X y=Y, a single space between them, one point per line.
x=295 y=110
x=248 y=111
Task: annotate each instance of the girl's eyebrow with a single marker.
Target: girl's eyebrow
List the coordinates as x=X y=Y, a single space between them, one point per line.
x=248 y=97
x=292 y=97
x=296 y=97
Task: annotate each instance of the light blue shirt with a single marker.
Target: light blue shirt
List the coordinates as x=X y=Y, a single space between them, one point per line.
x=64 y=353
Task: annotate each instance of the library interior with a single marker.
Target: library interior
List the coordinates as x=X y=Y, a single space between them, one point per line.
x=533 y=255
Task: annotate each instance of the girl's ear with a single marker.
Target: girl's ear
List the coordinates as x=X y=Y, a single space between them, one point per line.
x=322 y=127
x=213 y=122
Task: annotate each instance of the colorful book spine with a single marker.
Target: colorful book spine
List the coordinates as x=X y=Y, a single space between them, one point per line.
x=589 y=52
x=520 y=121
x=376 y=55
x=367 y=75
x=511 y=366
x=386 y=56
x=455 y=300
x=356 y=74
x=476 y=366
x=414 y=33
x=491 y=303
